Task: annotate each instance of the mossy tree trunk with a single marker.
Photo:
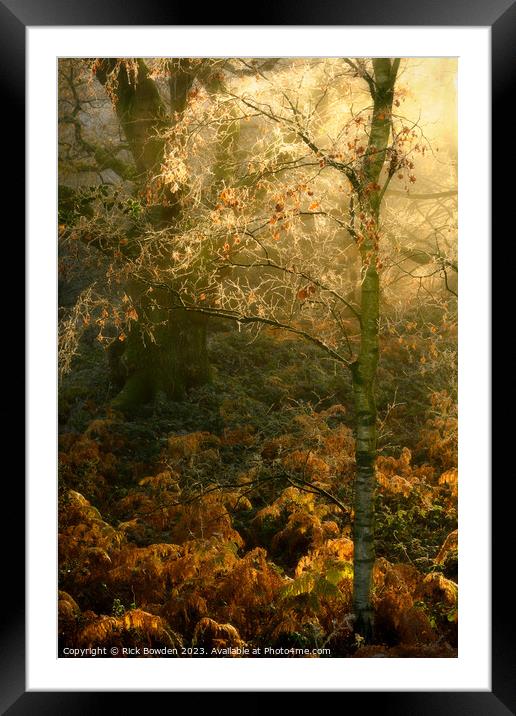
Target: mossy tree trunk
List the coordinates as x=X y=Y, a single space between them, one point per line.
x=170 y=362
x=172 y=356
x=364 y=368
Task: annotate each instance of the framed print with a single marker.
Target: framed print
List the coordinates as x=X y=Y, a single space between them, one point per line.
x=258 y=363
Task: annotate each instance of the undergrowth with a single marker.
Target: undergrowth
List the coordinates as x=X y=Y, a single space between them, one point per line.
x=224 y=521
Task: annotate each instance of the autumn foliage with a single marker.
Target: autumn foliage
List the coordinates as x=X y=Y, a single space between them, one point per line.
x=247 y=283
x=219 y=539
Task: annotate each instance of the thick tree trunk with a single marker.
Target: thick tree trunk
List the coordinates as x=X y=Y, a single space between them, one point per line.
x=168 y=365
x=364 y=368
x=176 y=357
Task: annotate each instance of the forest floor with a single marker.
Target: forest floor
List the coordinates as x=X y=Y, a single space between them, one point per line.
x=222 y=523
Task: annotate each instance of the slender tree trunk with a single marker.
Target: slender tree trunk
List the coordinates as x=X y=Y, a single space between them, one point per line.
x=364 y=373
x=176 y=357
x=364 y=368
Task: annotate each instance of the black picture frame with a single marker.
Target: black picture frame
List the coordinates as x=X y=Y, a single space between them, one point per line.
x=15 y=16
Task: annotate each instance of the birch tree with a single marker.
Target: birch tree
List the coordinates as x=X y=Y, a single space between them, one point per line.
x=294 y=241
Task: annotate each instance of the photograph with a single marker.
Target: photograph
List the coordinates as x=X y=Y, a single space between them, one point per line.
x=257 y=265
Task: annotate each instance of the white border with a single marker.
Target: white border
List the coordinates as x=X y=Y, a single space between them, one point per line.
x=471 y=670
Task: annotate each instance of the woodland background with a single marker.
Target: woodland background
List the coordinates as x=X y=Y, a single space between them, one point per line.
x=217 y=226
